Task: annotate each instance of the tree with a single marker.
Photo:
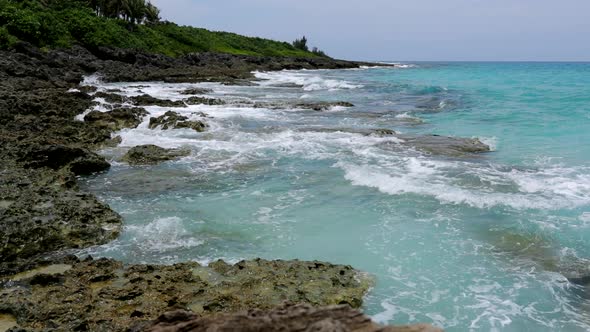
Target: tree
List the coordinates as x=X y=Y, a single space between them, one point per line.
x=152 y=13
x=301 y=44
x=134 y=10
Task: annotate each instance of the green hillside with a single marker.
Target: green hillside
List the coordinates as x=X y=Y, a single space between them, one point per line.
x=62 y=23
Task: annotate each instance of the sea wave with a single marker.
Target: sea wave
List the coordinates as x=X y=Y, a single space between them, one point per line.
x=308 y=81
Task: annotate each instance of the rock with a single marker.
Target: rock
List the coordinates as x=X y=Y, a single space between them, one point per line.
x=203 y=101
x=444 y=145
x=196 y=91
x=173 y=120
x=80 y=161
x=145 y=100
x=323 y=106
x=152 y=154
x=117 y=119
x=316 y=106
x=289 y=317
x=108 y=296
x=111 y=98
x=365 y=132
x=43 y=212
x=287 y=85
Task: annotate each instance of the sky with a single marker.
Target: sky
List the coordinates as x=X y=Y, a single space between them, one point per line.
x=405 y=30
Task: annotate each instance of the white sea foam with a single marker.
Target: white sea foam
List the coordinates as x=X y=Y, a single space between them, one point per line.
x=308 y=80
x=492 y=142
x=361 y=158
x=163 y=234
x=94 y=79
x=535 y=190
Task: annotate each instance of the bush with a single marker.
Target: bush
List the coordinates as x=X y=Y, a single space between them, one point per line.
x=6 y=39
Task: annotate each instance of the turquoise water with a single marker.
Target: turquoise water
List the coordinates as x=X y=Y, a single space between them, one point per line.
x=479 y=243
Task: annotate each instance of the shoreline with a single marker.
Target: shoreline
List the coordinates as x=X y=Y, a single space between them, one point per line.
x=44 y=213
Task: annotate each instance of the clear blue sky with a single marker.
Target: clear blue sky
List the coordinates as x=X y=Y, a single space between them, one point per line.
x=486 y=30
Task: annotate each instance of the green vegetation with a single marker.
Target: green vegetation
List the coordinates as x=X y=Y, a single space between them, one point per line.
x=124 y=24
x=301 y=44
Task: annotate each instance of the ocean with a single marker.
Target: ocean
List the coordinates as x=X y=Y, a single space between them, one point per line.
x=490 y=242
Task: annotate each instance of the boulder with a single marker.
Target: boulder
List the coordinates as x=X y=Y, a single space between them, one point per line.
x=203 y=101
x=117 y=119
x=173 y=120
x=146 y=100
x=196 y=91
x=445 y=145
x=152 y=154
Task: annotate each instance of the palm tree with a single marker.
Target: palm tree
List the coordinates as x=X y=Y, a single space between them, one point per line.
x=134 y=10
x=152 y=13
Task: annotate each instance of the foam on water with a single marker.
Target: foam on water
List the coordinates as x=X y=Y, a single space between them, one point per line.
x=308 y=80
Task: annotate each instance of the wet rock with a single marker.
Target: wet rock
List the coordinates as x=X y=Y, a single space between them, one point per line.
x=111 y=98
x=287 y=317
x=173 y=120
x=80 y=161
x=146 y=100
x=109 y=296
x=323 y=106
x=196 y=91
x=203 y=101
x=316 y=106
x=46 y=213
x=365 y=132
x=152 y=154
x=117 y=119
x=287 y=85
x=447 y=146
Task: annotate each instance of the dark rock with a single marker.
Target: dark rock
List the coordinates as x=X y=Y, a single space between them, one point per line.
x=444 y=145
x=316 y=106
x=152 y=154
x=196 y=91
x=117 y=119
x=203 y=101
x=289 y=317
x=145 y=100
x=79 y=160
x=173 y=120
x=111 y=98
x=323 y=106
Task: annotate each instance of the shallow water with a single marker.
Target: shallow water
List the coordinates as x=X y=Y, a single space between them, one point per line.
x=481 y=243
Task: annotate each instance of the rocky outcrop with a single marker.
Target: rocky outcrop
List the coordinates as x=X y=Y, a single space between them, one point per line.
x=316 y=106
x=203 y=101
x=434 y=144
x=147 y=100
x=56 y=156
x=196 y=91
x=117 y=119
x=105 y=295
x=152 y=154
x=445 y=145
x=173 y=120
x=304 y=318
x=42 y=211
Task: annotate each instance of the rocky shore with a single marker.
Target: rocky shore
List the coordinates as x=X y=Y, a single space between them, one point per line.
x=43 y=213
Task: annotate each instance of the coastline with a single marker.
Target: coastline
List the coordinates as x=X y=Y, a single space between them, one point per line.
x=43 y=212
